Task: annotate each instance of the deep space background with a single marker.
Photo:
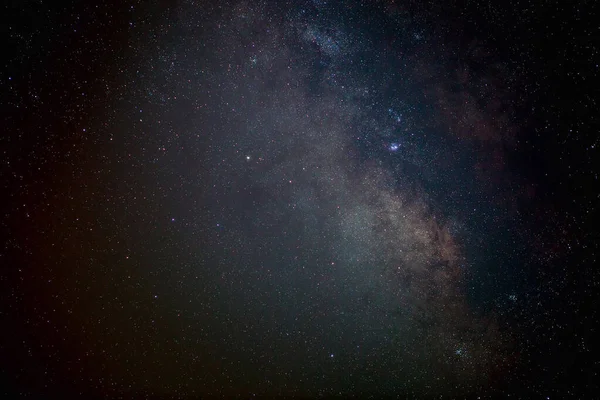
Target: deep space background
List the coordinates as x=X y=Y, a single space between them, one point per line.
x=299 y=199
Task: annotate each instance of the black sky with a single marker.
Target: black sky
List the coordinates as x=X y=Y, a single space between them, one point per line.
x=299 y=199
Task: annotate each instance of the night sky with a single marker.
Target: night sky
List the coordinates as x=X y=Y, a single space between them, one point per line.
x=299 y=199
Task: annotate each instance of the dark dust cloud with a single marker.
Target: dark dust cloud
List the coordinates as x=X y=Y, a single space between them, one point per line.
x=298 y=199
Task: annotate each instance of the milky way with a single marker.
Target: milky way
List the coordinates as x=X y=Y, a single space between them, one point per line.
x=331 y=245
x=285 y=199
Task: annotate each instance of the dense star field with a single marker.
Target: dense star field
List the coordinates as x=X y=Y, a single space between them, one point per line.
x=299 y=199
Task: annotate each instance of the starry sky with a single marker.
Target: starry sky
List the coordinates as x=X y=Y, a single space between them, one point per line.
x=299 y=199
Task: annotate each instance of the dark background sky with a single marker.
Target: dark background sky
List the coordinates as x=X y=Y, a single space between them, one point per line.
x=299 y=199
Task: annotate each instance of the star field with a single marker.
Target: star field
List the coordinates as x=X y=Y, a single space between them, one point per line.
x=299 y=199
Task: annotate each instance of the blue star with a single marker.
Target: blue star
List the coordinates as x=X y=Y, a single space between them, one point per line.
x=394 y=147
